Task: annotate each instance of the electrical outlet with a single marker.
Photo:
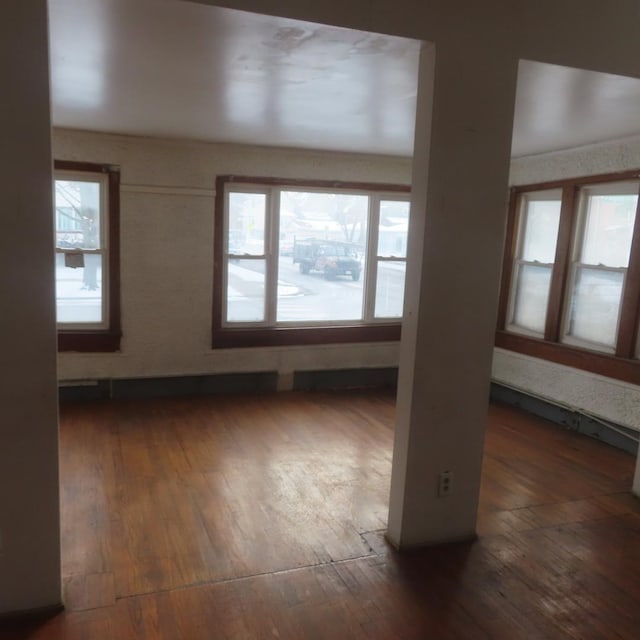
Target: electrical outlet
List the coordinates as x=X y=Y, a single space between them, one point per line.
x=445 y=483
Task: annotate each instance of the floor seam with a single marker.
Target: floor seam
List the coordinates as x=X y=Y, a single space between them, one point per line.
x=204 y=583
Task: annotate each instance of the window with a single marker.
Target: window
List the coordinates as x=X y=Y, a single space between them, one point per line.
x=603 y=245
x=571 y=275
x=312 y=262
x=86 y=207
x=539 y=218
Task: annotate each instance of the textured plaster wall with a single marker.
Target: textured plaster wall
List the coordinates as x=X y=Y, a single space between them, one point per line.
x=603 y=397
x=167 y=204
x=622 y=155
x=613 y=400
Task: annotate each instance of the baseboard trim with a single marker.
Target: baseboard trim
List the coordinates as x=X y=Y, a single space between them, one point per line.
x=613 y=434
x=404 y=547
x=132 y=388
x=324 y=379
x=139 y=388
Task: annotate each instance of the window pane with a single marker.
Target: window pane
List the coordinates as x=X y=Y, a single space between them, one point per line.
x=323 y=238
x=608 y=229
x=540 y=230
x=79 y=290
x=245 y=290
x=595 y=306
x=393 y=229
x=531 y=297
x=321 y=282
x=390 y=289
x=341 y=217
x=246 y=227
x=77 y=214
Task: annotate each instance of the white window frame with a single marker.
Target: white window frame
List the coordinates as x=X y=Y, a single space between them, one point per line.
x=103 y=250
x=374 y=259
x=519 y=262
x=614 y=188
x=271 y=254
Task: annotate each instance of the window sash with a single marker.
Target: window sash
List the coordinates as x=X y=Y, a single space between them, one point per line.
x=102 y=250
x=519 y=268
x=569 y=335
x=580 y=267
x=519 y=264
x=376 y=258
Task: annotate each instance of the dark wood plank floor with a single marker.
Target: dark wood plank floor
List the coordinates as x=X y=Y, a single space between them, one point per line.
x=262 y=516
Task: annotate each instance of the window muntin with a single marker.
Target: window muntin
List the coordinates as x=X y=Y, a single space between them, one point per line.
x=313 y=265
x=601 y=257
x=82 y=259
x=535 y=258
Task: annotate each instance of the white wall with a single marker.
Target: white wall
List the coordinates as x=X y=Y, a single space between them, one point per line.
x=29 y=520
x=167 y=257
x=167 y=209
x=603 y=397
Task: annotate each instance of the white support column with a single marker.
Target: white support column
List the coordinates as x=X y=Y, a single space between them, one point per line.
x=29 y=491
x=636 y=479
x=459 y=205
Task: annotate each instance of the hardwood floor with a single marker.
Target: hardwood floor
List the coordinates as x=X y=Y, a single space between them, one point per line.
x=262 y=516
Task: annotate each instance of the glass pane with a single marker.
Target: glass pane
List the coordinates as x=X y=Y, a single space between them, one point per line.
x=322 y=252
x=541 y=230
x=79 y=290
x=393 y=229
x=608 y=229
x=321 y=282
x=340 y=217
x=247 y=213
x=245 y=290
x=595 y=305
x=77 y=214
x=390 y=289
x=531 y=297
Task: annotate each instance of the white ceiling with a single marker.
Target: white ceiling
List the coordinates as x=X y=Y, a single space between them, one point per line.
x=177 y=69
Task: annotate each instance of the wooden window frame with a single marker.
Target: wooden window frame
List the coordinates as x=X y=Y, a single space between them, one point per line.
x=103 y=339
x=230 y=337
x=621 y=365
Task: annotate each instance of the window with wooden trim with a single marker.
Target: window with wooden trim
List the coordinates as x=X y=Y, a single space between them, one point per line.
x=571 y=274
x=308 y=262
x=86 y=215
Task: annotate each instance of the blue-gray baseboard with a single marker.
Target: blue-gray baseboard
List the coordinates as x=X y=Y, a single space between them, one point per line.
x=129 y=388
x=604 y=430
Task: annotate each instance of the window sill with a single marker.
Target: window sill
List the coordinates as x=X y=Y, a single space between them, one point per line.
x=597 y=362
x=285 y=336
x=89 y=341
